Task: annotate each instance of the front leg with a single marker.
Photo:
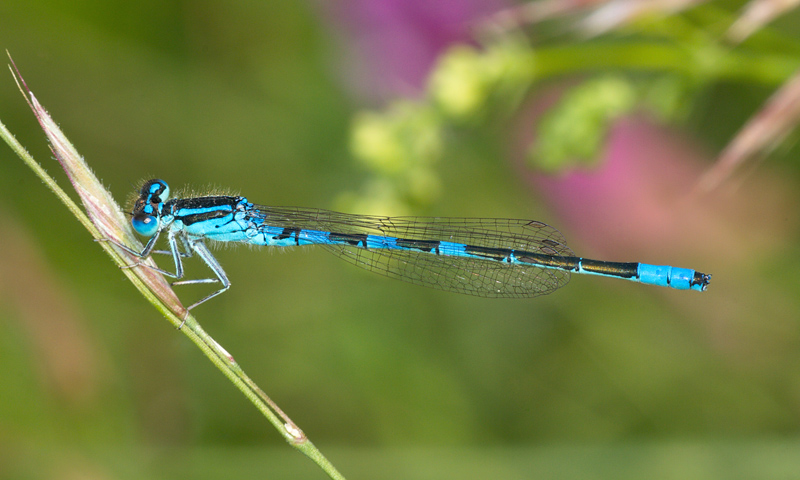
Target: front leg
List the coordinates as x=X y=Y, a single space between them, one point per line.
x=143 y=255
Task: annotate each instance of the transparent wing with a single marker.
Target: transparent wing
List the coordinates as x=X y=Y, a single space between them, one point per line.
x=485 y=278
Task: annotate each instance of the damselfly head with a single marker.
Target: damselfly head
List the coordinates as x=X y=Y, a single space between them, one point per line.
x=147 y=208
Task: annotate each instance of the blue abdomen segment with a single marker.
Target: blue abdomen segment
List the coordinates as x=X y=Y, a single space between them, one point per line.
x=673 y=277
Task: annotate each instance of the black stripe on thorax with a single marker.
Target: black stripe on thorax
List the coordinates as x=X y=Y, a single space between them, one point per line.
x=209 y=208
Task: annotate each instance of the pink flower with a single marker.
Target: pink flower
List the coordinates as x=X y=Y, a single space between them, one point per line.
x=396 y=42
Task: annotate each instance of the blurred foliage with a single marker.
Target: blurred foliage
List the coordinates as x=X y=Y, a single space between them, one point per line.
x=400 y=148
x=600 y=380
x=577 y=128
x=662 y=64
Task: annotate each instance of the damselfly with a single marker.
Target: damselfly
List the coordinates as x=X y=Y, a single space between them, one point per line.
x=487 y=257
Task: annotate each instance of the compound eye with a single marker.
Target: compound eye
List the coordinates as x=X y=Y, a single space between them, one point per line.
x=145 y=225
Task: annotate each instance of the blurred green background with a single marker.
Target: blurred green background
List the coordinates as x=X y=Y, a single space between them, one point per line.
x=279 y=101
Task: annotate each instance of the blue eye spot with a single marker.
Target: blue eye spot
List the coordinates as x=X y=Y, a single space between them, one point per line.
x=155 y=191
x=145 y=225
